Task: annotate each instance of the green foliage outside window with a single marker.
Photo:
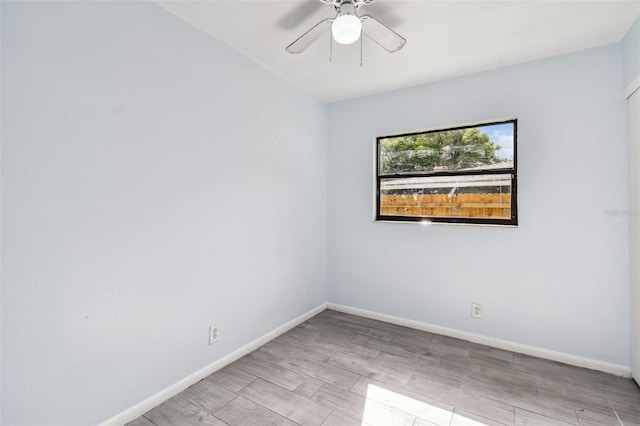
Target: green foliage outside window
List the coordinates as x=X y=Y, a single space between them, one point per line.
x=438 y=151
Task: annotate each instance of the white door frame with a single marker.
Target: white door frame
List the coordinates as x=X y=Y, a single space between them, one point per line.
x=632 y=94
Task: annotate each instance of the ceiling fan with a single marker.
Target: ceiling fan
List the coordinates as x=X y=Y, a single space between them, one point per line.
x=347 y=27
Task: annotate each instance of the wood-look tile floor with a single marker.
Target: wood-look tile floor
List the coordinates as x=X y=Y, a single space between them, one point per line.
x=342 y=370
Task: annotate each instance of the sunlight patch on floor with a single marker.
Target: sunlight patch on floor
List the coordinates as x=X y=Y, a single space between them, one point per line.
x=384 y=407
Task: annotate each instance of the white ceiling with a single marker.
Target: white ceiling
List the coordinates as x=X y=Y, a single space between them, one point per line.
x=444 y=38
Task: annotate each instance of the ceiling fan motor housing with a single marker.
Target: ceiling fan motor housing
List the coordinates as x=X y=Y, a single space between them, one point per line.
x=337 y=4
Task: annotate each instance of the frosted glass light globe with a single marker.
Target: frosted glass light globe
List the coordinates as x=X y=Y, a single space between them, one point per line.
x=346 y=29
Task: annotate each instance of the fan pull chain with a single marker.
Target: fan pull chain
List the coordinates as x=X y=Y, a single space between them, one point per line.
x=360 y=49
x=330 y=48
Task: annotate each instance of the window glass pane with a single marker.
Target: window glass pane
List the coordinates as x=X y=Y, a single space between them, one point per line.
x=484 y=147
x=469 y=196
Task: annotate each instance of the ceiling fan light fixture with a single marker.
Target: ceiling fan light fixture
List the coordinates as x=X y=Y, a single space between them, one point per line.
x=346 y=28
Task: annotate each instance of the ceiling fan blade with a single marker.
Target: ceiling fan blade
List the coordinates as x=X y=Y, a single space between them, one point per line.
x=299 y=13
x=388 y=39
x=307 y=39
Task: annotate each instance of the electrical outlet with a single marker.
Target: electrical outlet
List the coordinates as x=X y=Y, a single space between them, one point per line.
x=476 y=310
x=214 y=333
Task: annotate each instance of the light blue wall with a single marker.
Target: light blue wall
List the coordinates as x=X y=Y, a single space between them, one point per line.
x=154 y=182
x=558 y=281
x=631 y=54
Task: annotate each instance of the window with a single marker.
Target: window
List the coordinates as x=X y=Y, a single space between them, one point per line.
x=465 y=174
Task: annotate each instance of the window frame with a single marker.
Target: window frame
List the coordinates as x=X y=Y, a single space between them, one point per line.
x=512 y=221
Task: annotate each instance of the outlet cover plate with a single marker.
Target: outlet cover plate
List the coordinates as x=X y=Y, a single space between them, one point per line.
x=476 y=310
x=214 y=333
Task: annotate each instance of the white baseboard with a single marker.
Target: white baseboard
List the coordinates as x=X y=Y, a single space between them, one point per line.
x=607 y=367
x=157 y=399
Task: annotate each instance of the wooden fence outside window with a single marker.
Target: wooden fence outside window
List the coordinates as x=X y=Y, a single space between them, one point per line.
x=444 y=205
